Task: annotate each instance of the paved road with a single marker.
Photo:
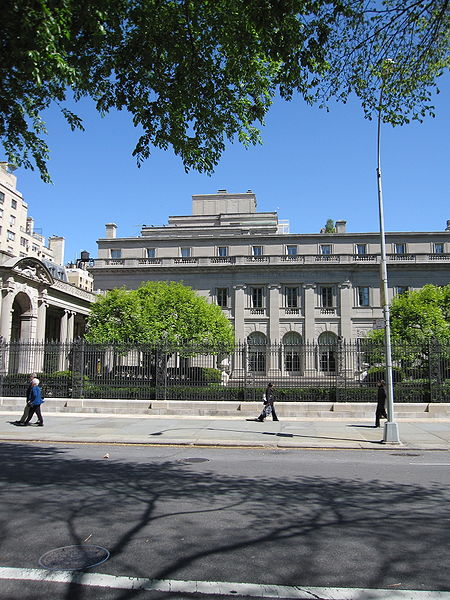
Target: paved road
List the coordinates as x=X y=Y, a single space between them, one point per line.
x=277 y=521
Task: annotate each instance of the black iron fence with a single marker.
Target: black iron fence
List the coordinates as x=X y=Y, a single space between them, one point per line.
x=343 y=371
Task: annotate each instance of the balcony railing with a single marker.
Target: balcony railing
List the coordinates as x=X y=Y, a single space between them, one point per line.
x=229 y=262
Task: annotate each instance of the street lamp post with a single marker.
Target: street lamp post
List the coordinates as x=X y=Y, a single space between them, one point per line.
x=390 y=434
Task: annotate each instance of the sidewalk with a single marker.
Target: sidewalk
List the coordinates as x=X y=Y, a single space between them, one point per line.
x=339 y=433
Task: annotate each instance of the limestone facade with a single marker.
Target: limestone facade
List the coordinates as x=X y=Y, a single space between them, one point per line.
x=275 y=286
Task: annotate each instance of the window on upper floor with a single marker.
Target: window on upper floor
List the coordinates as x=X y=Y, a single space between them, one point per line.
x=326 y=296
x=439 y=248
x=12 y=220
x=10 y=235
x=291 y=250
x=325 y=249
x=401 y=289
x=291 y=297
x=256 y=297
x=14 y=204
x=222 y=250
x=363 y=296
x=1 y=213
x=222 y=297
x=34 y=248
x=185 y=252
x=2 y=197
x=24 y=242
x=257 y=250
x=361 y=248
x=151 y=252
x=116 y=253
x=400 y=248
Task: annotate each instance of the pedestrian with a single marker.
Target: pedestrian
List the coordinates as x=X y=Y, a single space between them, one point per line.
x=35 y=404
x=26 y=411
x=381 y=403
x=269 y=408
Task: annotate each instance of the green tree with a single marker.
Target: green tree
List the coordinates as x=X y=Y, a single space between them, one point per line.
x=419 y=316
x=420 y=332
x=196 y=73
x=158 y=312
x=329 y=226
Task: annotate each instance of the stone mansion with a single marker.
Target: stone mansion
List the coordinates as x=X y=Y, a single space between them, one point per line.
x=273 y=285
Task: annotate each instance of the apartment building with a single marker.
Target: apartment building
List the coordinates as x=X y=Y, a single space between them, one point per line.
x=273 y=285
x=38 y=302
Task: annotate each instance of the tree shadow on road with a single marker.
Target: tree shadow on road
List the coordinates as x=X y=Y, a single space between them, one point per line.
x=162 y=518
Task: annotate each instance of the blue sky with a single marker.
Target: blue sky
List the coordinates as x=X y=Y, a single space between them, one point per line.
x=312 y=166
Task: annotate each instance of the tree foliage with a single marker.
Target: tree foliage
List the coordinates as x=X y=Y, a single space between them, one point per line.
x=419 y=316
x=196 y=73
x=329 y=226
x=158 y=312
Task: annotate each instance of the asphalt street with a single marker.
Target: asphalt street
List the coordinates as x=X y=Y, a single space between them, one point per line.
x=257 y=520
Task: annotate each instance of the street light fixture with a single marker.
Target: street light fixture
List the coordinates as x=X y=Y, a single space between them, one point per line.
x=390 y=434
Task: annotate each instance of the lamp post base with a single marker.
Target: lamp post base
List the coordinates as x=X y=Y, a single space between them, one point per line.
x=390 y=434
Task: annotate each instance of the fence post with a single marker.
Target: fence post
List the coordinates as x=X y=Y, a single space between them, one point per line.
x=77 y=368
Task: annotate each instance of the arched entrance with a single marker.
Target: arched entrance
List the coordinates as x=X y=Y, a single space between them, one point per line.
x=257 y=351
x=292 y=357
x=327 y=352
x=21 y=318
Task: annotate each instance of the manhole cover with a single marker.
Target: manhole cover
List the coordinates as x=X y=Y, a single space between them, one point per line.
x=404 y=454
x=195 y=460
x=74 y=558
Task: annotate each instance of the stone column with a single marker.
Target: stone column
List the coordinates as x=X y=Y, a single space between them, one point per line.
x=41 y=317
x=239 y=366
x=63 y=340
x=7 y=309
x=346 y=301
x=345 y=309
x=310 y=328
x=239 y=312
x=310 y=305
x=274 y=329
x=70 y=325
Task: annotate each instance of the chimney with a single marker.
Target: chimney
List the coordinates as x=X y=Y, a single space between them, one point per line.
x=111 y=230
x=341 y=226
x=56 y=245
x=448 y=226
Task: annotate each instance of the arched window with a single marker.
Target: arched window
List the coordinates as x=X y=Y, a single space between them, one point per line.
x=292 y=342
x=327 y=352
x=257 y=342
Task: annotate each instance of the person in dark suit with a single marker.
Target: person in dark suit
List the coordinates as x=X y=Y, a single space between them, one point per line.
x=269 y=408
x=35 y=403
x=381 y=403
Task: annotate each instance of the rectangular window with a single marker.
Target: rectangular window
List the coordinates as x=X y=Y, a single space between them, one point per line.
x=34 y=248
x=399 y=248
x=116 y=253
x=2 y=197
x=14 y=204
x=361 y=248
x=222 y=251
x=291 y=250
x=12 y=220
x=325 y=249
x=256 y=297
x=24 y=242
x=363 y=296
x=151 y=252
x=439 y=248
x=291 y=297
x=1 y=213
x=10 y=235
x=185 y=252
x=257 y=250
x=401 y=289
x=326 y=296
x=222 y=297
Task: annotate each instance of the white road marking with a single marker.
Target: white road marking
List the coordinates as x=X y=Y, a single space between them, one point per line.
x=430 y=464
x=211 y=588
